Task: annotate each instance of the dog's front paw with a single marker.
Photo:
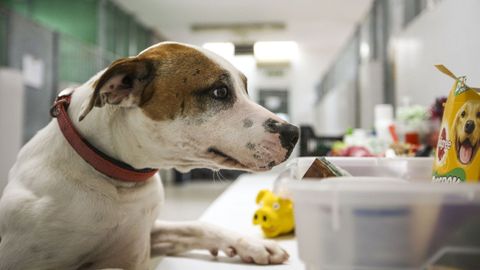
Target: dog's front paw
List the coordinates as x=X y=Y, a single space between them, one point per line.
x=259 y=251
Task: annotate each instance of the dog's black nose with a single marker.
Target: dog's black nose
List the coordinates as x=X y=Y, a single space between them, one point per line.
x=288 y=135
x=469 y=127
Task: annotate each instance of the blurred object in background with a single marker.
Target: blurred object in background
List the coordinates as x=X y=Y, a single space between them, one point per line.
x=313 y=145
x=412 y=123
x=437 y=108
x=412 y=133
x=359 y=143
x=436 y=114
x=383 y=121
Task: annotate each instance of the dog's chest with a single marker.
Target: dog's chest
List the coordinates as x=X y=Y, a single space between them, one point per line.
x=117 y=226
x=120 y=229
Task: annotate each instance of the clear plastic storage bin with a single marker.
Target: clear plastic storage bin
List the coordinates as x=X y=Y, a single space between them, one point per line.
x=385 y=217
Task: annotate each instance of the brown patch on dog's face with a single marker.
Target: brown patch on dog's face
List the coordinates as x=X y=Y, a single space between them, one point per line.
x=467 y=132
x=183 y=85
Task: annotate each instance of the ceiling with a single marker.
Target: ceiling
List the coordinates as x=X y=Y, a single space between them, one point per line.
x=320 y=25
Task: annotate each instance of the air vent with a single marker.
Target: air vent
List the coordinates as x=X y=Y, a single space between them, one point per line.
x=243 y=49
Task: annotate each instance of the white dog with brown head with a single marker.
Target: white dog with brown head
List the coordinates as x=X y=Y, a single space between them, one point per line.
x=173 y=105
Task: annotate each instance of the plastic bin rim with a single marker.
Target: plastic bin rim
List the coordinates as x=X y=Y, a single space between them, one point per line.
x=369 y=159
x=470 y=189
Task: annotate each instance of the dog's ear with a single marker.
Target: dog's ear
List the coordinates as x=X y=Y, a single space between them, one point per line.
x=121 y=84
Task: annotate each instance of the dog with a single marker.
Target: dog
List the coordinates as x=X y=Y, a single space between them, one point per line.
x=171 y=106
x=467 y=131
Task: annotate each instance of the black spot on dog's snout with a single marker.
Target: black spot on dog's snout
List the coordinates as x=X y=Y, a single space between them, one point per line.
x=250 y=146
x=197 y=71
x=185 y=80
x=271 y=125
x=247 y=123
x=469 y=127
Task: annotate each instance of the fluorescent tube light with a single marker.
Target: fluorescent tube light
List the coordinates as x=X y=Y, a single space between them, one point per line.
x=224 y=49
x=275 y=51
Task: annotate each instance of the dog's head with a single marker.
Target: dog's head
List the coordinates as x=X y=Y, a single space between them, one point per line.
x=193 y=110
x=467 y=131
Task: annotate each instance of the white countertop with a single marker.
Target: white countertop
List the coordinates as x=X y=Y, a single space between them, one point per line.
x=234 y=210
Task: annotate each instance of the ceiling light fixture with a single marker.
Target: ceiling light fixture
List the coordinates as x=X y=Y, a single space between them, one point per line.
x=224 y=49
x=275 y=52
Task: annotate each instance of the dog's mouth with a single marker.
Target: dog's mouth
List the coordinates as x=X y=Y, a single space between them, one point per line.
x=225 y=159
x=260 y=160
x=466 y=151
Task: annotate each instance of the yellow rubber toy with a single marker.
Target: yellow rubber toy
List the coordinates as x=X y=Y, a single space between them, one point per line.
x=275 y=215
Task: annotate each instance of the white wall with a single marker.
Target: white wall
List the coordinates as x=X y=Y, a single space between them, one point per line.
x=370 y=91
x=300 y=78
x=306 y=73
x=336 y=112
x=11 y=120
x=449 y=35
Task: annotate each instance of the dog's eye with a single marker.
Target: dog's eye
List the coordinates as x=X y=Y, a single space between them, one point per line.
x=463 y=114
x=220 y=93
x=478 y=114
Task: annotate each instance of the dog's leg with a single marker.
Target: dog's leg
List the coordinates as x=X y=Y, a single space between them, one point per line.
x=177 y=237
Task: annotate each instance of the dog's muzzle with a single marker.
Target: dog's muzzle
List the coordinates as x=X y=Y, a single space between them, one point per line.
x=288 y=133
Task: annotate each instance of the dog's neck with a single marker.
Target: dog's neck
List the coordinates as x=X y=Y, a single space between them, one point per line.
x=111 y=130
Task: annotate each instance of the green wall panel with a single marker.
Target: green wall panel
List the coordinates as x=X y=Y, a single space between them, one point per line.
x=81 y=53
x=78 y=18
x=3 y=37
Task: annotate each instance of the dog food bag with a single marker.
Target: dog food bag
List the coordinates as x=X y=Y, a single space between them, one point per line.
x=457 y=158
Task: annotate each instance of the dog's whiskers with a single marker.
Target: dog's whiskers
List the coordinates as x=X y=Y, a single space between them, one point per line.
x=216 y=176
x=213 y=175
x=222 y=177
x=219 y=175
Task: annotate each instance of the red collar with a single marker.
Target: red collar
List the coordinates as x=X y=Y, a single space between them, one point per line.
x=97 y=159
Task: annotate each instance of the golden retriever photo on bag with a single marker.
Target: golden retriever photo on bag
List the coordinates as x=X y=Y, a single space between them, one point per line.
x=467 y=131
